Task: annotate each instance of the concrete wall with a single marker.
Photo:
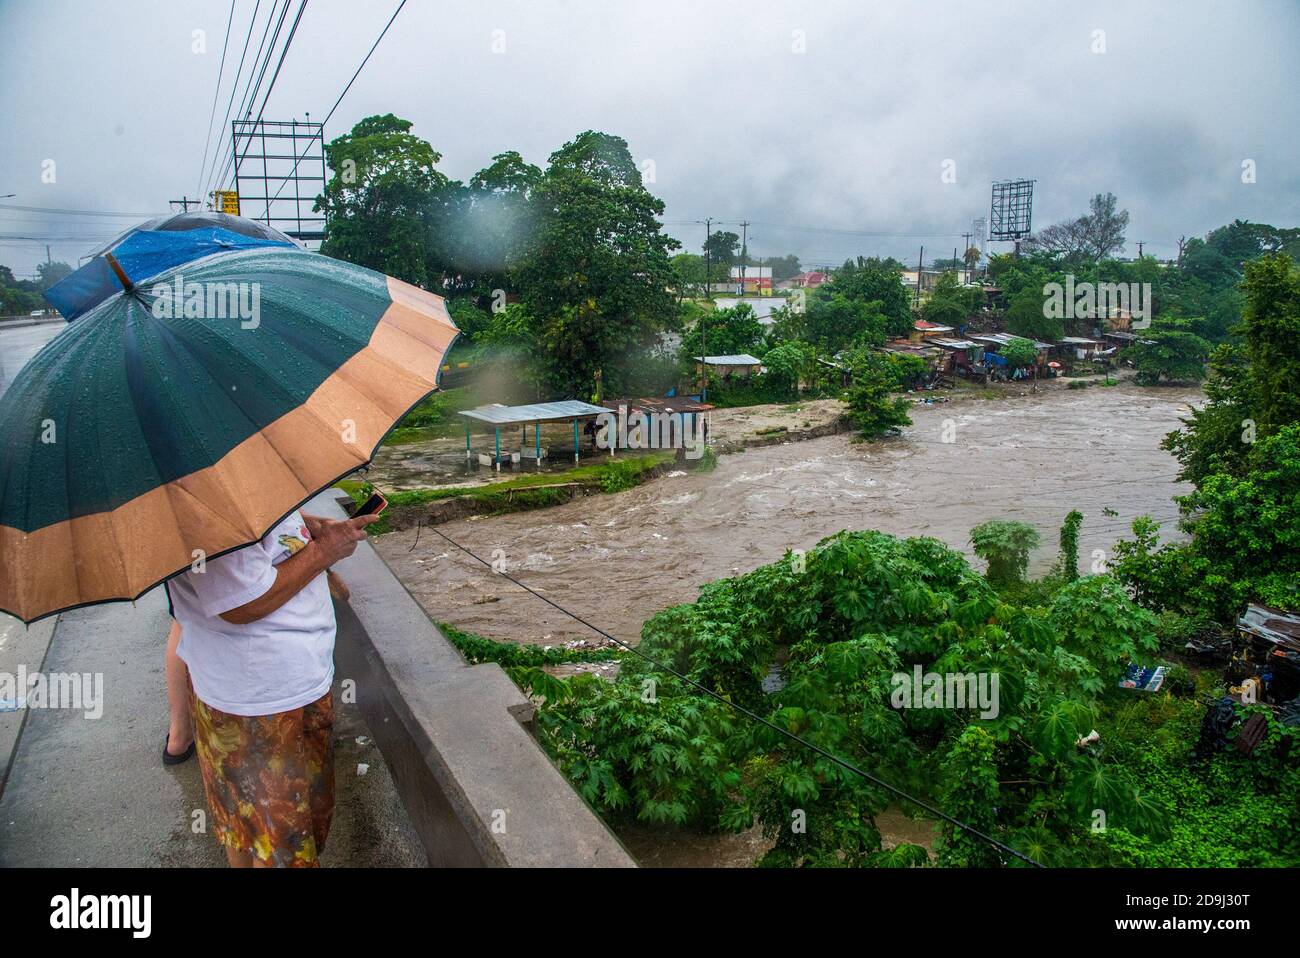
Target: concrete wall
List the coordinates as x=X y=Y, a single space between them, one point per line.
x=476 y=785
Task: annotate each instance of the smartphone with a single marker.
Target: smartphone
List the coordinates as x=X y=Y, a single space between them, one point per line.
x=372 y=506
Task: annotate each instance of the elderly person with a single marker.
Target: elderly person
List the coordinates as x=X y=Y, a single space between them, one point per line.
x=257 y=635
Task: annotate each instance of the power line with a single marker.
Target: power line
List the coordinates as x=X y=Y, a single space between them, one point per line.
x=279 y=63
x=248 y=36
x=284 y=52
x=216 y=93
x=51 y=209
x=357 y=73
x=249 y=90
x=842 y=763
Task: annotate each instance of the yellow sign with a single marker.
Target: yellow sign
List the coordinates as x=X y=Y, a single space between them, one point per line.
x=227 y=201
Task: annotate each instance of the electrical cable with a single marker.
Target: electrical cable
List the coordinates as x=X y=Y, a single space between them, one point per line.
x=225 y=119
x=297 y=161
x=842 y=763
x=216 y=94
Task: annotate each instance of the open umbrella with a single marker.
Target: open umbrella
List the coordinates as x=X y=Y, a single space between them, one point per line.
x=152 y=247
x=185 y=417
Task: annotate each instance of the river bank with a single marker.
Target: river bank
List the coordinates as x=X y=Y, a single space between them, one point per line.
x=617 y=559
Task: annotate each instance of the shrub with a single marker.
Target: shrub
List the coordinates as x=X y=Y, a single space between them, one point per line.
x=1005 y=545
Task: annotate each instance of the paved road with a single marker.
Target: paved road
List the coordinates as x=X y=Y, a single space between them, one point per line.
x=19 y=345
x=92 y=791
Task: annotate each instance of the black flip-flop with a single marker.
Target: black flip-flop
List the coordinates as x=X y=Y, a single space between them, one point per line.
x=170 y=759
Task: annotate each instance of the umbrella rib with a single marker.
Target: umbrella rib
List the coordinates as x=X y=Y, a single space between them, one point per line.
x=111 y=518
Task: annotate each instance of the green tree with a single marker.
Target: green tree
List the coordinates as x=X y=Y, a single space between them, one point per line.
x=783 y=267
x=834 y=321
x=1025 y=317
x=598 y=283
x=949 y=303
x=1168 y=354
x=723 y=332
x=1272 y=338
x=873 y=280
x=720 y=248
x=870 y=399
x=17 y=297
x=1019 y=352
x=381 y=201
x=496 y=221
x=1068 y=560
x=1252 y=388
x=688 y=275
x=787 y=365
x=1245 y=539
x=1246 y=531
x=47 y=274
x=1216 y=437
x=1005 y=545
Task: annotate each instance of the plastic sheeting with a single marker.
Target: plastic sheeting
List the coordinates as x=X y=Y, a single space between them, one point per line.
x=144 y=253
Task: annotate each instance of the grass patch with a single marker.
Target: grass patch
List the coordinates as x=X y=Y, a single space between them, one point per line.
x=478 y=649
x=434 y=417
x=520 y=493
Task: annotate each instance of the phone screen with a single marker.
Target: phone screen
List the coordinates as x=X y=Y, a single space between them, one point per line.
x=374 y=505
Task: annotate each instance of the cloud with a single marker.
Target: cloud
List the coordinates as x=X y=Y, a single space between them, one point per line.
x=809 y=119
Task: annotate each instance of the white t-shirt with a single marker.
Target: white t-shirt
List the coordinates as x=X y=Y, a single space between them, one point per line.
x=280 y=662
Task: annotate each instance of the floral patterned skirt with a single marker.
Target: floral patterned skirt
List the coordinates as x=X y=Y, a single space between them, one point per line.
x=269 y=779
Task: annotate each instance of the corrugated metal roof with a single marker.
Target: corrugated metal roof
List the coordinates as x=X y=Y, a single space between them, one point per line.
x=1274 y=625
x=499 y=415
x=1003 y=338
x=744 y=359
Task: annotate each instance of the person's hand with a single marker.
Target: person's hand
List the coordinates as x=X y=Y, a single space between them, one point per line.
x=337 y=539
x=312 y=523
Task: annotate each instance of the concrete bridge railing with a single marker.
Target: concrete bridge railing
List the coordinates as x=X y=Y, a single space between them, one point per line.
x=478 y=788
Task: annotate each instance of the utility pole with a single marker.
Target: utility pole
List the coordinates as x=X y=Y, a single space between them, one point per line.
x=744 y=253
x=47 y=254
x=965 y=238
x=920 y=263
x=708 y=292
x=1140 y=245
x=185 y=203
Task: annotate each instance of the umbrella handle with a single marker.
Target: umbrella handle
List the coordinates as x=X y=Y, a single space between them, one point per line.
x=119 y=272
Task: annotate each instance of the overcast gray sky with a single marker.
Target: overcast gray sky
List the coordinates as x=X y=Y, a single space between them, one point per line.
x=826 y=124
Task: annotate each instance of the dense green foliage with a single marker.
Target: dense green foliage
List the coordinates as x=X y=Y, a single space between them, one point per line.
x=1005 y=545
x=723 y=332
x=1245 y=539
x=870 y=399
x=1020 y=352
x=579 y=245
x=21 y=297
x=844 y=620
x=1243 y=452
x=1169 y=354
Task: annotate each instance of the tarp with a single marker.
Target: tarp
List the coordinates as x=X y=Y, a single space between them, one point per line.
x=197 y=220
x=142 y=254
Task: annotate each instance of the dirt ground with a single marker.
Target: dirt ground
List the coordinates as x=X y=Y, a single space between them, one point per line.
x=436 y=463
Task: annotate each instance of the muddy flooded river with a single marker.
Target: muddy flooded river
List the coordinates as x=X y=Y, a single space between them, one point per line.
x=618 y=559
